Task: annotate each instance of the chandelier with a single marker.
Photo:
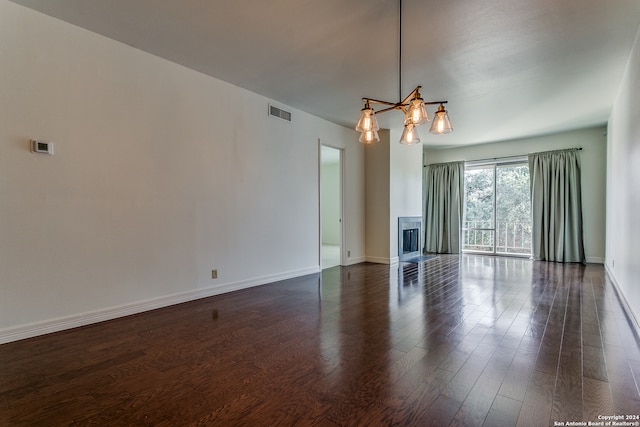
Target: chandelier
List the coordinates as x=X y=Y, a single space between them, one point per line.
x=413 y=107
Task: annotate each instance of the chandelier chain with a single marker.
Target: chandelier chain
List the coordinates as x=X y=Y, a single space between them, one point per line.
x=400 y=52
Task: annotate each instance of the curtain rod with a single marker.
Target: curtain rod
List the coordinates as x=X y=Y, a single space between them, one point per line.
x=442 y=163
x=512 y=157
x=558 y=151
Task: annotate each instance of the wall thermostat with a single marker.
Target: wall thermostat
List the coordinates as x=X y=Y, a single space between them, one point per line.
x=43 y=147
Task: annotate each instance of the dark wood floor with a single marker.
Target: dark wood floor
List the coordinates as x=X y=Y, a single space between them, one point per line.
x=457 y=340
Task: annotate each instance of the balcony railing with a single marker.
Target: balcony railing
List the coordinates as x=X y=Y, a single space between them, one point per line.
x=512 y=237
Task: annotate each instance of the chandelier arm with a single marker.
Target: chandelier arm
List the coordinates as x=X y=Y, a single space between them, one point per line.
x=377 y=101
x=411 y=95
x=399 y=105
x=395 y=107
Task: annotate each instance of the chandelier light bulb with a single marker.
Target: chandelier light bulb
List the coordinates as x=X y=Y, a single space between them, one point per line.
x=369 y=137
x=441 y=123
x=416 y=113
x=367 y=120
x=410 y=135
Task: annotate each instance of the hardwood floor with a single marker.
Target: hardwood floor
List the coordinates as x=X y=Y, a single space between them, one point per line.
x=457 y=340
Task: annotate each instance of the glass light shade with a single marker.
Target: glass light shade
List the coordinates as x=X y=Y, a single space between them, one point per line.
x=369 y=137
x=410 y=135
x=416 y=113
x=441 y=123
x=367 y=120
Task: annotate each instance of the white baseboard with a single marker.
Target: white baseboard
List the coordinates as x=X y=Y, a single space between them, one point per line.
x=355 y=260
x=378 y=260
x=623 y=299
x=81 y=319
x=594 y=260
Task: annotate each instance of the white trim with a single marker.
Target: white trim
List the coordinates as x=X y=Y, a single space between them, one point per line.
x=342 y=174
x=594 y=260
x=343 y=213
x=320 y=204
x=81 y=319
x=377 y=260
x=623 y=299
x=382 y=260
x=355 y=260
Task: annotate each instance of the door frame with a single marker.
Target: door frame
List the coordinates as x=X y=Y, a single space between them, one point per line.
x=340 y=198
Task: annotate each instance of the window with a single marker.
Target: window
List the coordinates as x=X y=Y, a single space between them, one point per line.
x=497 y=213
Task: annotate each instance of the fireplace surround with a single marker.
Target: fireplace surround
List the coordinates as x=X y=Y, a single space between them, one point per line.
x=409 y=237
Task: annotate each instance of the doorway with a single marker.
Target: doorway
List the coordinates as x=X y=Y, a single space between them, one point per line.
x=330 y=207
x=497 y=213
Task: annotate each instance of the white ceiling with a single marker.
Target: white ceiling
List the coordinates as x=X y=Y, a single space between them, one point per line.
x=509 y=68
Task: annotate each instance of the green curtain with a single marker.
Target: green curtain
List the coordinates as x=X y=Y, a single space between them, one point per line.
x=556 y=206
x=443 y=195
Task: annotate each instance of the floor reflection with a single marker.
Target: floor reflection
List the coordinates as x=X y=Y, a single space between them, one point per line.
x=453 y=341
x=444 y=327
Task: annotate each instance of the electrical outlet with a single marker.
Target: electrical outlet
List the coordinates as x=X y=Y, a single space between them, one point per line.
x=214 y=274
x=349 y=253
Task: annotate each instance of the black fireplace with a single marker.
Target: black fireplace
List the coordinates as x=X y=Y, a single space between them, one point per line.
x=409 y=236
x=410 y=240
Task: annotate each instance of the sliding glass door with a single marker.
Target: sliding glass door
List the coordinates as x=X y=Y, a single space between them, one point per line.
x=478 y=225
x=497 y=209
x=513 y=209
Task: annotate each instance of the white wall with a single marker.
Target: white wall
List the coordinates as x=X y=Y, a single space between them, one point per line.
x=159 y=176
x=393 y=189
x=593 y=173
x=405 y=185
x=377 y=199
x=623 y=185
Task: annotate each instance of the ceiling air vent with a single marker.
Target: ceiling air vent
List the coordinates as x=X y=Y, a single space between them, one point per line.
x=281 y=114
